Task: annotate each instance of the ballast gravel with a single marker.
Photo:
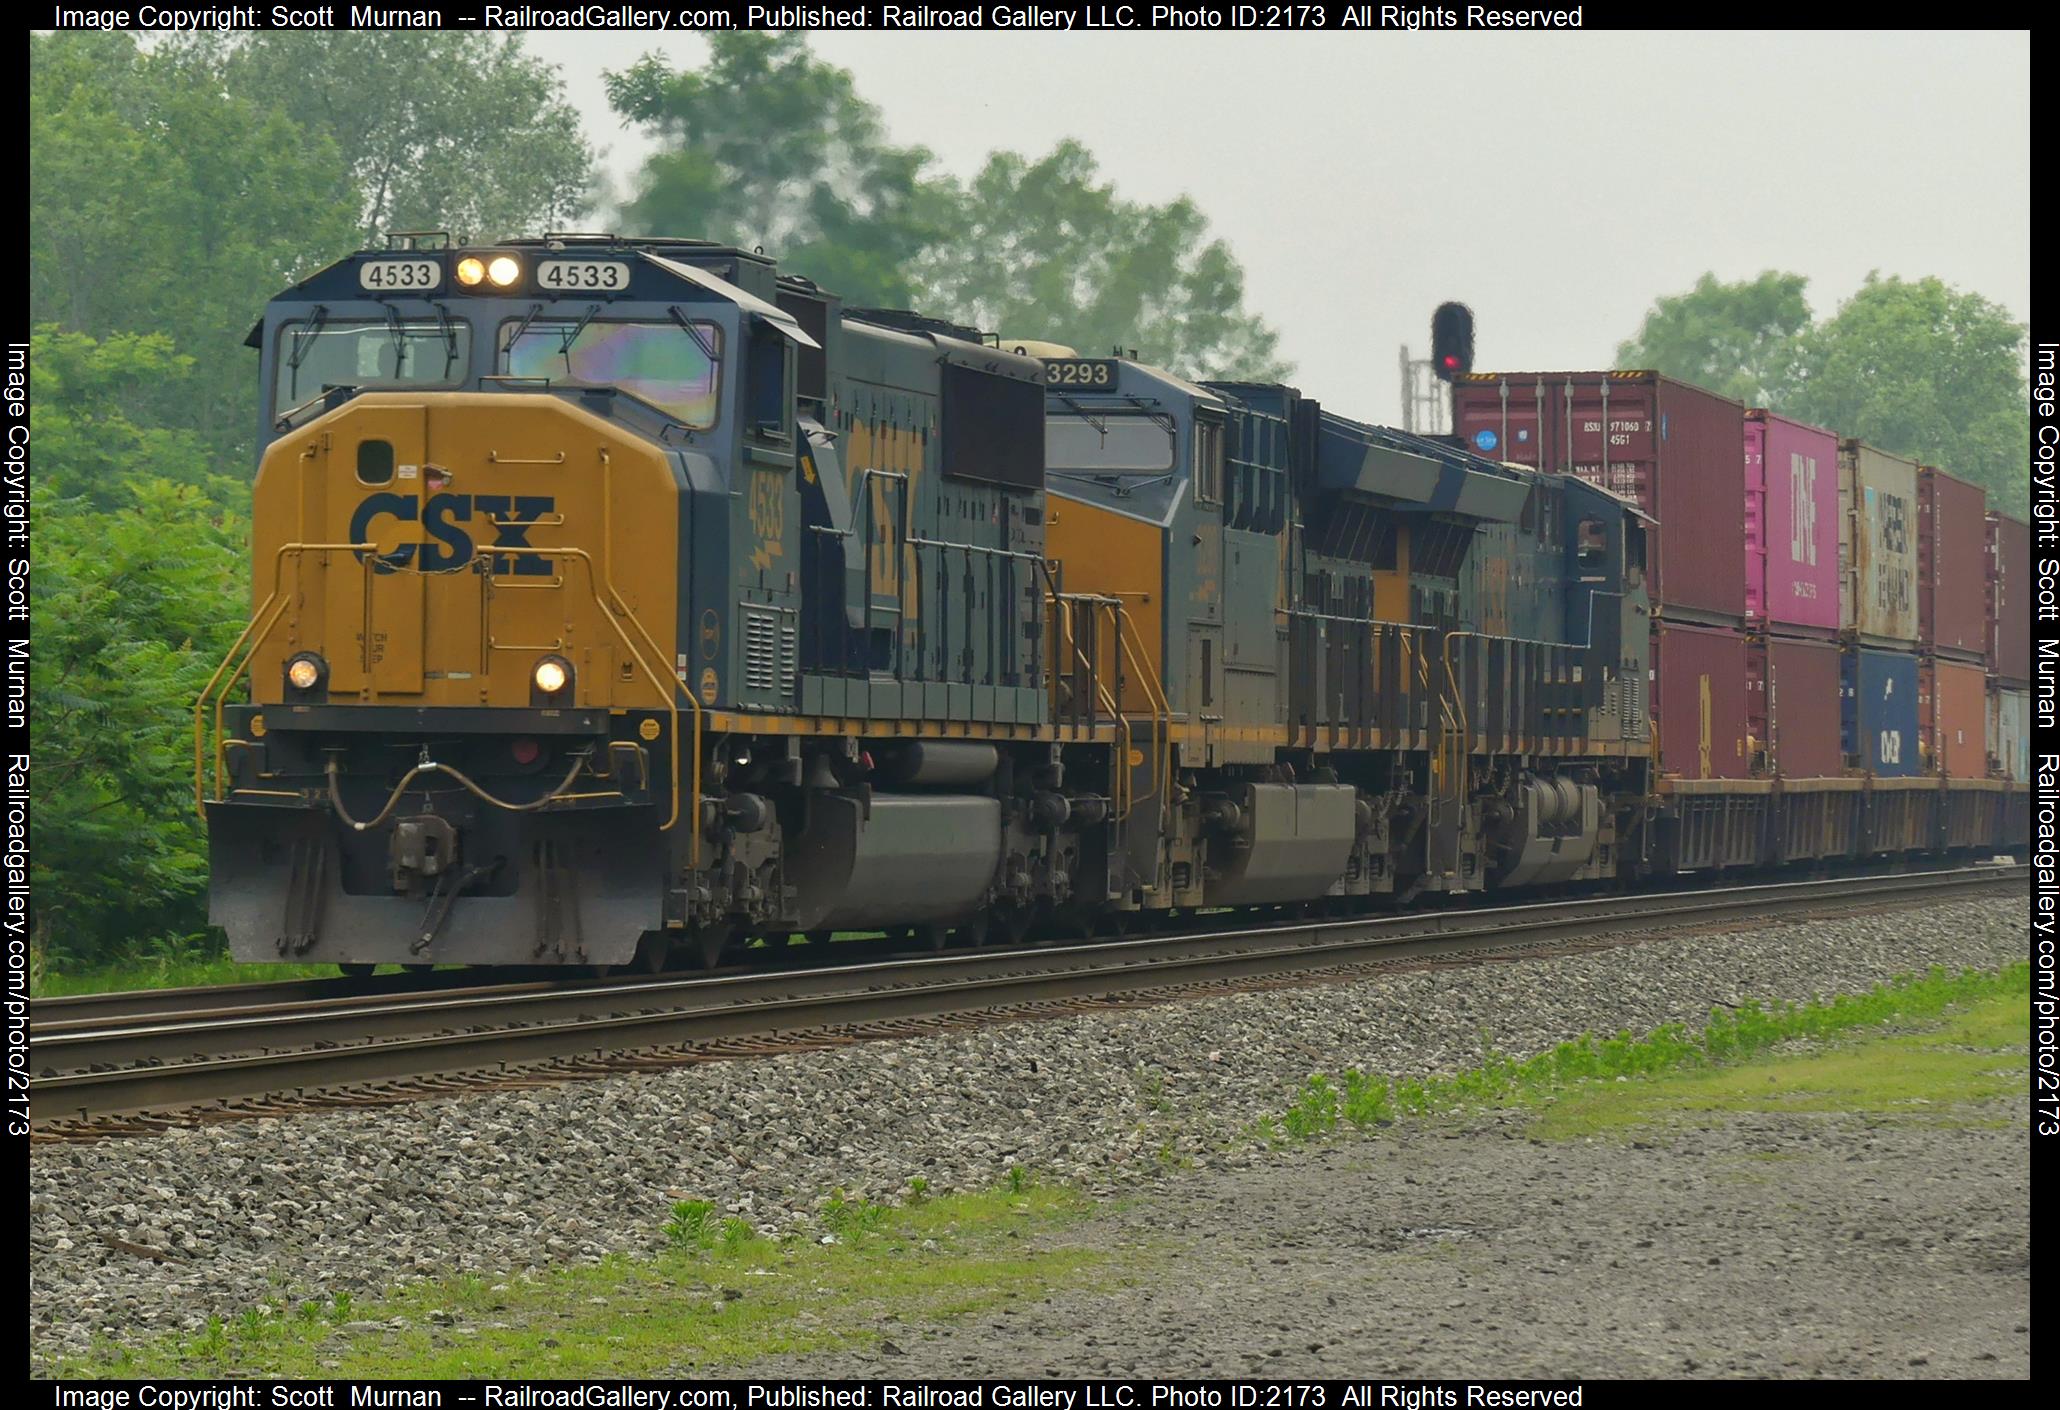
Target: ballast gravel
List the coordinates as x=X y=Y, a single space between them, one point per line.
x=357 y=1202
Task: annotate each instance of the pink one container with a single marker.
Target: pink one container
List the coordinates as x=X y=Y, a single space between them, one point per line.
x=1791 y=526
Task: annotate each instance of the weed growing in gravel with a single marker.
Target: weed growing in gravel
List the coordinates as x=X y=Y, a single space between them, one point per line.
x=1019 y=1179
x=917 y=1188
x=692 y=1224
x=1315 y=1111
x=1728 y=1036
x=1151 y=1089
x=848 y=1219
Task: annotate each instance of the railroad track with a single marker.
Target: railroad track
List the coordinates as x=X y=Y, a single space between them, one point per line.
x=271 y=1048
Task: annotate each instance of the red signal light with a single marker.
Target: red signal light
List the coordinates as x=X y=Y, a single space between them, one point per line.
x=525 y=751
x=1451 y=361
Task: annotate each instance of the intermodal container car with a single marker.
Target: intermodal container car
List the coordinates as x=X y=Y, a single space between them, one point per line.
x=1791 y=525
x=1952 y=713
x=1790 y=684
x=1674 y=449
x=1878 y=714
x=1952 y=566
x=1698 y=698
x=1877 y=545
x=2009 y=743
x=2009 y=599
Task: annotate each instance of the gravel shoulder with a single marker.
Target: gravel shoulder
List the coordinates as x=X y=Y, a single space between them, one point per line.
x=359 y=1202
x=1758 y=1246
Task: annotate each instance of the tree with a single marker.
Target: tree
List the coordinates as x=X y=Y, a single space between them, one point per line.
x=160 y=201
x=462 y=132
x=1043 y=249
x=770 y=147
x=1738 y=339
x=89 y=446
x=1925 y=370
x=136 y=595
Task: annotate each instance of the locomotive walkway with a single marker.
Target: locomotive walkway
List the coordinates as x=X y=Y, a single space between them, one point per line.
x=128 y=1064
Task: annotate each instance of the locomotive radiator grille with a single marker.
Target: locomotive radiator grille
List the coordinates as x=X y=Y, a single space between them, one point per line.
x=769 y=650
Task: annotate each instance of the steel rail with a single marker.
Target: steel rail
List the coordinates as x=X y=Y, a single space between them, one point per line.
x=499 y=1030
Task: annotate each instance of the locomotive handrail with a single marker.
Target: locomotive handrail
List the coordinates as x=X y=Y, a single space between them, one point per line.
x=1162 y=708
x=200 y=704
x=268 y=614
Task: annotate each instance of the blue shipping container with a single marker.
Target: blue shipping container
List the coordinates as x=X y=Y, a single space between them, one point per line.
x=1878 y=712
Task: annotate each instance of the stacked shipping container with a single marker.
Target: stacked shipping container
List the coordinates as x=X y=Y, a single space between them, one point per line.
x=1674 y=450
x=1791 y=595
x=2008 y=604
x=1859 y=582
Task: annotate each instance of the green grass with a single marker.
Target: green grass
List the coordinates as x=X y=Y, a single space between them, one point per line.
x=718 y=1295
x=1671 y=1069
x=1976 y=1054
x=170 y=970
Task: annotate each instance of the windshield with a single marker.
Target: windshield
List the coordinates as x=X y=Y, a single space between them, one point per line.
x=664 y=364
x=1107 y=444
x=352 y=352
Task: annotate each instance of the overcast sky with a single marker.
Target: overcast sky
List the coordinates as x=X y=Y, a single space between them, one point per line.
x=1557 y=183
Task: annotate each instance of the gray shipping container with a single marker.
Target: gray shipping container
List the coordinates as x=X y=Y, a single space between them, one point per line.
x=1877 y=545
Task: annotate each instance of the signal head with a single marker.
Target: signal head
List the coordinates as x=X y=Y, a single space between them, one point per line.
x=1452 y=341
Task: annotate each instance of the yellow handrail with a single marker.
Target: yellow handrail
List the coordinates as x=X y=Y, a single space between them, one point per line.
x=218 y=687
x=1162 y=708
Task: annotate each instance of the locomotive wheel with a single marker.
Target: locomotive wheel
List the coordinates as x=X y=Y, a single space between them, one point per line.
x=706 y=946
x=357 y=971
x=653 y=950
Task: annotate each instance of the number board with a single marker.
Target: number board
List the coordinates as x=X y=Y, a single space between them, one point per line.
x=582 y=274
x=1080 y=371
x=387 y=276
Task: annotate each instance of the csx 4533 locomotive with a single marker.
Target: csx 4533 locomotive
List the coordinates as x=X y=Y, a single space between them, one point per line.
x=617 y=601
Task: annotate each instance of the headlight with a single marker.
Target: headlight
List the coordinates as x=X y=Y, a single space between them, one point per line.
x=305 y=671
x=551 y=675
x=503 y=270
x=471 y=270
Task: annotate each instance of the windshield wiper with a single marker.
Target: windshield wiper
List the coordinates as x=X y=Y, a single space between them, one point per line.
x=1100 y=423
x=565 y=348
x=400 y=343
x=449 y=330
x=304 y=338
x=515 y=334
x=700 y=339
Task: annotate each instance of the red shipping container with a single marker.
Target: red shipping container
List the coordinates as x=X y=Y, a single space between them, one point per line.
x=1952 y=716
x=2009 y=599
x=1792 y=706
x=1952 y=566
x=1698 y=698
x=1791 y=525
x=1676 y=450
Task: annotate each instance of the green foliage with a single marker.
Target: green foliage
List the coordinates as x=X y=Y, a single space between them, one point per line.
x=1916 y=367
x=1315 y=1112
x=1018 y=1180
x=89 y=447
x=162 y=201
x=1729 y=1036
x=849 y=1218
x=1046 y=249
x=692 y=1224
x=470 y=133
x=769 y=146
x=1738 y=339
x=1929 y=371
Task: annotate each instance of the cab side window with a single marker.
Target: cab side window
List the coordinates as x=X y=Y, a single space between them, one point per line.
x=1208 y=438
x=768 y=407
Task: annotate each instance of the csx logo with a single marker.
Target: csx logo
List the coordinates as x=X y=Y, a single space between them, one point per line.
x=448 y=546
